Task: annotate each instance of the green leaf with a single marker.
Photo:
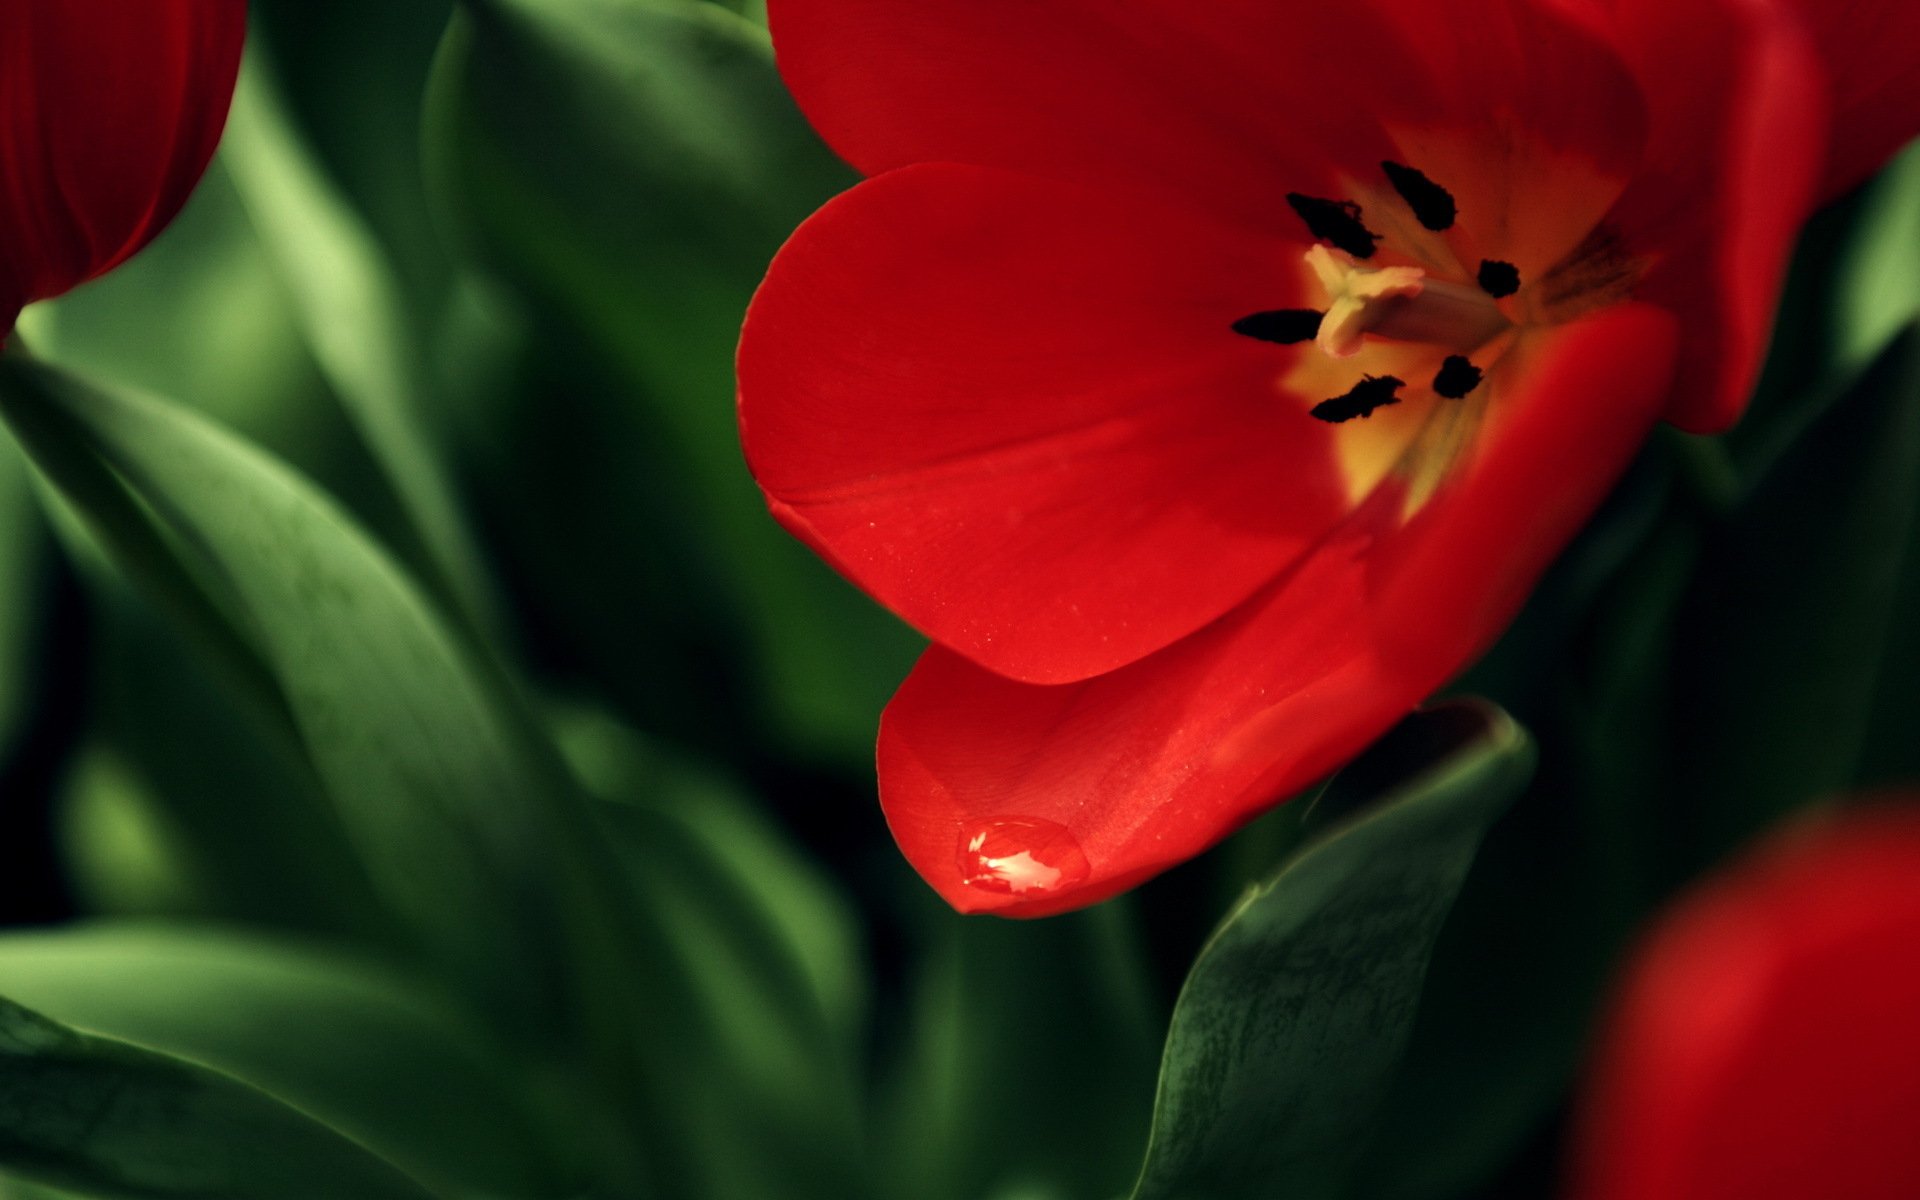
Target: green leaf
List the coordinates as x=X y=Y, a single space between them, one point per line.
x=22 y=539
x=1294 y=1017
x=630 y=167
x=112 y=1119
x=352 y=313
x=463 y=823
x=1029 y=1065
x=370 y=1052
x=755 y=1068
x=1879 y=294
x=1785 y=635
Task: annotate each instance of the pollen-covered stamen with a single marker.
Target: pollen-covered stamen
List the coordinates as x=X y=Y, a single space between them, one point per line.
x=1403 y=303
x=1336 y=221
x=1457 y=377
x=1372 y=392
x=1432 y=204
x=1499 y=279
x=1284 y=326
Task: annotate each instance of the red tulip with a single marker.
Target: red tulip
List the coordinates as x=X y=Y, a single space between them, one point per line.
x=1765 y=1046
x=1211 y=381
x=109 y=111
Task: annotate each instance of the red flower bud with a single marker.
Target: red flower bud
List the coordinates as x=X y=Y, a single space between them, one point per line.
x=109 y=111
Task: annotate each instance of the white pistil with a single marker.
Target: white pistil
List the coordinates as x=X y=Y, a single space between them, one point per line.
x=1402 y=303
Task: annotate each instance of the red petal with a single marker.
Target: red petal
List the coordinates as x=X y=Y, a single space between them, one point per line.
x=1737 y=100
x=1233 y=103
x=109 y=112
x=1119 y=777
x=1872 y=51
x=1017 y=413
x=1765 y=1044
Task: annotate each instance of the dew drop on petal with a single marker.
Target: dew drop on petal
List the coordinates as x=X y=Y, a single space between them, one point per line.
x=1019 y=856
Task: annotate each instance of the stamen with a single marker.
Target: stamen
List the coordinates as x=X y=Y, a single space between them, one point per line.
x=1286 y=326
x=1336 y=221
x=1357 y=297
x=1372 y=392
x=1432 y=204
x=1499 y=279
x=1457 y=377
x=1402 y=303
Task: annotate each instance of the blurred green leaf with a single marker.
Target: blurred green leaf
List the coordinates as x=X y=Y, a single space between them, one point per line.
x=17 y=1189
x=200 y=313
x=1028 y=1059
x=371 y=1053
x=154 y=799
x=630 y=166
x=121 y=851
x=805 y=919
x=117 y=1120
x=1785 y=634
x=354 y=318
x=1879 y=294
x=462 y=821
x=1294 y=1016
x=758 y=1074
x=21 y=540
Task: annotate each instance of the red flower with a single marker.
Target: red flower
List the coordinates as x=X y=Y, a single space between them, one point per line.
x=109 y=111
x=1211 y=381
x=1765 y=1043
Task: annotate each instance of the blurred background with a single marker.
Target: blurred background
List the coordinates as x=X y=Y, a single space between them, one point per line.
x=478 y=276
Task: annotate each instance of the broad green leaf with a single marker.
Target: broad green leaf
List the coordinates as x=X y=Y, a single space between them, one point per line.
x=463 y=823
x=373 y=1054
x=630 y=167
x=113 y=1119
x=351 y=310
x=1294 y=1017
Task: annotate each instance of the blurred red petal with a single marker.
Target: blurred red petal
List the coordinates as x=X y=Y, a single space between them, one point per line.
x=1119 y=777
x=1738 y=105
x=1231 y=103
x=1764 y=1043
x=1872 y=52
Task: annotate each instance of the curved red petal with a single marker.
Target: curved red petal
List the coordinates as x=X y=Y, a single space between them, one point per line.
x=1117 y=778
x=1737 y=98
x=1016 y=412
x=109 y=113
x=1232 y=103
x=1872 y=52
x=1764 y=1043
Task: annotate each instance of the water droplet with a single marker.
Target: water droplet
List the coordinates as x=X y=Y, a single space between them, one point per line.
x=1020 y=856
